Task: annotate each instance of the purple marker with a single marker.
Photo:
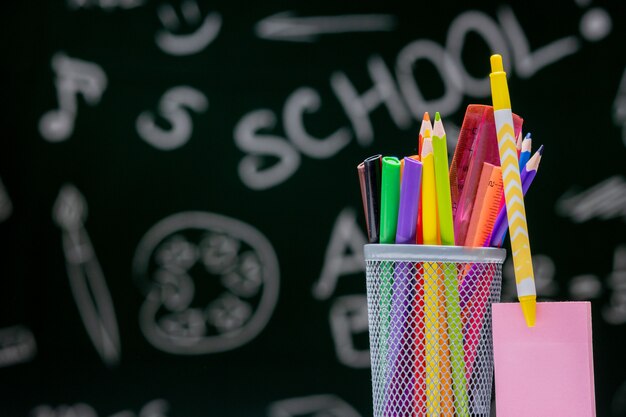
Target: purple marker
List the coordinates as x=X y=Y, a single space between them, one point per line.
x=399 y=387
x=410 y=191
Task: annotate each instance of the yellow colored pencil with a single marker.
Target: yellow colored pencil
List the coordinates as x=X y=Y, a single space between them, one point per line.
x=452 y=362
x=431 y=314
x=513 y=194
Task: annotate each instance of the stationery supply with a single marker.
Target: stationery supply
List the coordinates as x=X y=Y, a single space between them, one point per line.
x=477 y=144
x=513 y=194
x=527 y=176
x=518 y=144
x=419 y=367
x=425 y=129
x=431 y=313
x=373 y=166
x=546 y=370
x=390 y=199
x=437 y=269
x=410 y=195
x=451 y=339
x=487 y=202
x=361 y=172
x=524 y=154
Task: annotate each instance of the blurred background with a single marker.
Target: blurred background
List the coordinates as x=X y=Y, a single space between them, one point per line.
x=181 y=227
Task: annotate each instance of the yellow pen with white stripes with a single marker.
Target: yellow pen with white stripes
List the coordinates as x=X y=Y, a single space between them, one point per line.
x=512 y=185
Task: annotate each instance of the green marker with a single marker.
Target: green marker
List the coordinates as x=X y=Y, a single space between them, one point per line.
x=389 y=205
x=446 y=229
x=390 y=199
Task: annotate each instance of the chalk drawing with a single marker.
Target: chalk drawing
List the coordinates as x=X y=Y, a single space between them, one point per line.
x=544 y=271
x=174 y=107
x=6 y=207
x=585 y=287
x=344 y=254
x=63 y=410
x=234 y=264
x=322 y=405
x=106 y=5
x=402 y=97
x=619 y=107
x=206 y=29
x=286 y=26
x=348 y=318
x=73 y=77
x=154 y=408
x=604 y=201
x=528 y=63
x=258 y=146
x=17 y=345
x=87 y=282
x=615 y=311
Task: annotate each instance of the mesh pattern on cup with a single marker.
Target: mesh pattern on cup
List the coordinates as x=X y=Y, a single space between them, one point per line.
x=430 y=337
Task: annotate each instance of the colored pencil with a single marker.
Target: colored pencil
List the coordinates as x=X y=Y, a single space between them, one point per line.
x=450 y=302
x=431 y=313
x=524 y=156
x=425 y=130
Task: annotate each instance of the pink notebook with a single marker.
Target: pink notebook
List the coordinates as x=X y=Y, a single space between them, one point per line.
x=547 y=370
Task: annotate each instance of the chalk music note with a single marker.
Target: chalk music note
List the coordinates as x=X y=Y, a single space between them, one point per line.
x=87 y=280
x=73 y=77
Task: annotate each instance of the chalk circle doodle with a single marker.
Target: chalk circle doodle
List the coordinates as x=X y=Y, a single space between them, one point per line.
x=211 y=283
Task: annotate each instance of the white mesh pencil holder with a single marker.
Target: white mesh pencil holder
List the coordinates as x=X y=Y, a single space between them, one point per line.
x=429 y=311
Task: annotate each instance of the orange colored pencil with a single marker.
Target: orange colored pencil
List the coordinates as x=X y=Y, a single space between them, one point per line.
x=425 y=131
